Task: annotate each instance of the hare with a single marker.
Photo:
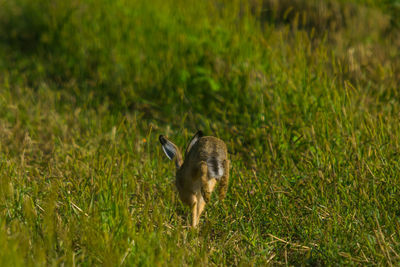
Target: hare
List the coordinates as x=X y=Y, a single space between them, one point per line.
x=206 y=162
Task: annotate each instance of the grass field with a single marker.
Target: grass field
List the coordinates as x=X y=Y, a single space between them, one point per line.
x=305 y=94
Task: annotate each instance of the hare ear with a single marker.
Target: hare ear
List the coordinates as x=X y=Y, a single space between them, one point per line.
x=195 y=138
x=168 y=147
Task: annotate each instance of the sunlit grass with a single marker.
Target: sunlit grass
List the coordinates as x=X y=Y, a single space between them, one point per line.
x=310 y=120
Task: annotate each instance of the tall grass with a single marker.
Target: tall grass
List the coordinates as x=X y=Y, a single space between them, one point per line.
x=310 y=116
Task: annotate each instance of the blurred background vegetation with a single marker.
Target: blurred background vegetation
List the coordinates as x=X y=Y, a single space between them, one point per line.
x=304 y=92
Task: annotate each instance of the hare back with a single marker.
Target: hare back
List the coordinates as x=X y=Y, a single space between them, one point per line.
x=212 y=151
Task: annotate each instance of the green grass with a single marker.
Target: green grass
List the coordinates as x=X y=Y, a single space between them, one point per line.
x=309 y=113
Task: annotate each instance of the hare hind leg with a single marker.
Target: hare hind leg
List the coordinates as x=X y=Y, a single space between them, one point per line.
x=223 y=185
x=206 y=191
x=200 y=206
x=201 y=203
x=194 y=206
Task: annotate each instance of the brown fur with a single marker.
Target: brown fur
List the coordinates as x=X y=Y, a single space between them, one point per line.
x=194 y=180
